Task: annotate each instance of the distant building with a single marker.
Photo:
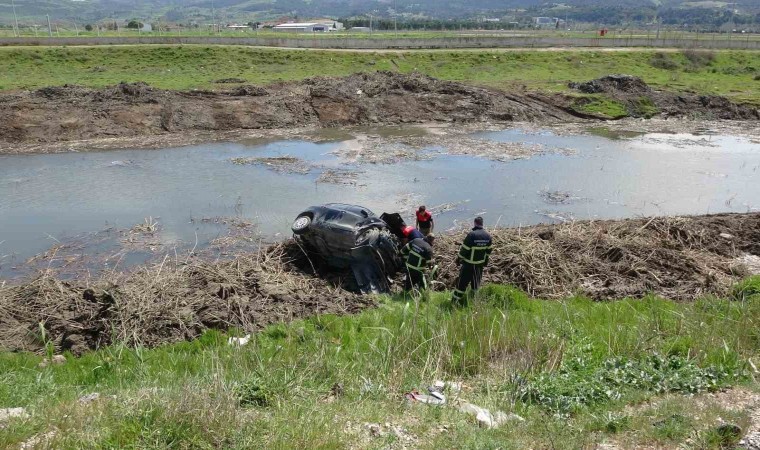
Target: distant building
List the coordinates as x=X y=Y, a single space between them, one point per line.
x=237 y=27
x=361 y=29
x=309 y=27
x=490 y=19
x=547 y=22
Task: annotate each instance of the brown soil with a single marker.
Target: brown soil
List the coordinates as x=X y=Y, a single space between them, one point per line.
x=47 y=119
x=679 y=258
x=641 y=100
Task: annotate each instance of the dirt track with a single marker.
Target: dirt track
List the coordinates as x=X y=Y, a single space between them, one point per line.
x=678 y=258
x=48 y=119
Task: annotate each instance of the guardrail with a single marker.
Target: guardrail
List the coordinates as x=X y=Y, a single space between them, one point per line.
x=469 y=42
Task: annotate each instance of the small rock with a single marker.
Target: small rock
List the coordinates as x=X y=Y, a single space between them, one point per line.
x=89 y=398
x=56 y=359
x=375 y=429
x=38 y=439
x=12 y=413
x=751 y=441
x=726 y=236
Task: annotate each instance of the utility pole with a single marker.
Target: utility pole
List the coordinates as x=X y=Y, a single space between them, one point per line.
x=16 y=32
x=213 y=17
x=395 y=17
x=50 y=28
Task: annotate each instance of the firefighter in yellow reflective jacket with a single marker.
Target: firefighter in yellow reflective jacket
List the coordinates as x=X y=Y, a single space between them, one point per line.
x=418 y=254
x=473 y=256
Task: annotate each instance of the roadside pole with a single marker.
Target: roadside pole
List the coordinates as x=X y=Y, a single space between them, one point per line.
x=50 y=28
x=16 y=31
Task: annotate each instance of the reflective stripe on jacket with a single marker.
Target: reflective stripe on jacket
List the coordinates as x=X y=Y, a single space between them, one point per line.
x=476 y=248
x=418 y=253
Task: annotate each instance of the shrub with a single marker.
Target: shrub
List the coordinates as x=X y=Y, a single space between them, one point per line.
x=663 y=61
x=699 y=58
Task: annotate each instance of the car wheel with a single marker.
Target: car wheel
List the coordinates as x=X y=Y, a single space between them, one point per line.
x=301 y=224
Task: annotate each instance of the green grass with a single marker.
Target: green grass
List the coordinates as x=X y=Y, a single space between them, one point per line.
x=730 y=73
x=600 y=106
x=576 y=370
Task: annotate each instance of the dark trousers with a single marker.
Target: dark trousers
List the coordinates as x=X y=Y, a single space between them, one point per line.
x=469 y=275
x=415 y=280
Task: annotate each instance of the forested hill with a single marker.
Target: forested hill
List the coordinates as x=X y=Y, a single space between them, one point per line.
x=594 y=11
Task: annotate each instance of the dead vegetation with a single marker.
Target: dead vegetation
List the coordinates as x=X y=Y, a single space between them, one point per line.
x=279 y=164
x=681 y=258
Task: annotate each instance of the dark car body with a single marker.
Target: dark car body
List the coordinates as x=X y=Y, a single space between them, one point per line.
x=351 y=236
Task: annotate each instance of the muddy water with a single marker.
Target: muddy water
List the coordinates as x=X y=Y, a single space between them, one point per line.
x=55 y=198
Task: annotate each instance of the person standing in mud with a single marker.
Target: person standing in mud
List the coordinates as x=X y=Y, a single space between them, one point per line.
x=472 y=258
x=418 y=254
x=424 y=220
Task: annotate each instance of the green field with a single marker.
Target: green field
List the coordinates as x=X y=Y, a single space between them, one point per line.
x=732 y=73
x=579 y=373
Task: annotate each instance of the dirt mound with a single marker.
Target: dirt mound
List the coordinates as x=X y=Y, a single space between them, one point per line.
x=169 y=303
x=679 y=258
x=613 y=84
x=639 y=100
x=59 y=114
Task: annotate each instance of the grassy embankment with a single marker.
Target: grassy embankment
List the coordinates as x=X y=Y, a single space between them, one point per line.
x=735 y=74
x=577 y=371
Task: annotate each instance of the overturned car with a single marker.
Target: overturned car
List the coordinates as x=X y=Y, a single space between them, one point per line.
x=350 y=236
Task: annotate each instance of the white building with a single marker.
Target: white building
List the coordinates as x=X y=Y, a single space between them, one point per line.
x=309 y=27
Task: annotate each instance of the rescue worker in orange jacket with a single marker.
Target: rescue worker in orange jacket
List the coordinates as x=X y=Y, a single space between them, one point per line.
x=424 y=220
x=418 y=254
x=473 y=256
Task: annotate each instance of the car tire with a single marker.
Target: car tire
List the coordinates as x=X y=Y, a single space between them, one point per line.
x=301 y=224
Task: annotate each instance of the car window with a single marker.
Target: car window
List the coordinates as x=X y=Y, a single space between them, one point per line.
x=333 y=214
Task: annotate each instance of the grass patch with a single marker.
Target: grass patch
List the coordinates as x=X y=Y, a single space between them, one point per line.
x=568 y=367
x=600 y=106
x=197 y=66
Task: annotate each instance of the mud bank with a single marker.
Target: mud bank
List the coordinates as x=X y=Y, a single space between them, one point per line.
x=136 y=114
x=680 y=258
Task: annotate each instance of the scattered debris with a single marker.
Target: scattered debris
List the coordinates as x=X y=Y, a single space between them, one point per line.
x=435 y=398
x=485 y=418
x=454 y=387
x=558 y=197
x=726 y=236
x=280 y=164
x=339 y=176
x=89 y=398
x=148 y=226
x=239 y=341
x=558 y=216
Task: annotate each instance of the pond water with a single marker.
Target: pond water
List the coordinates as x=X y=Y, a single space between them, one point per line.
x=49 y=198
